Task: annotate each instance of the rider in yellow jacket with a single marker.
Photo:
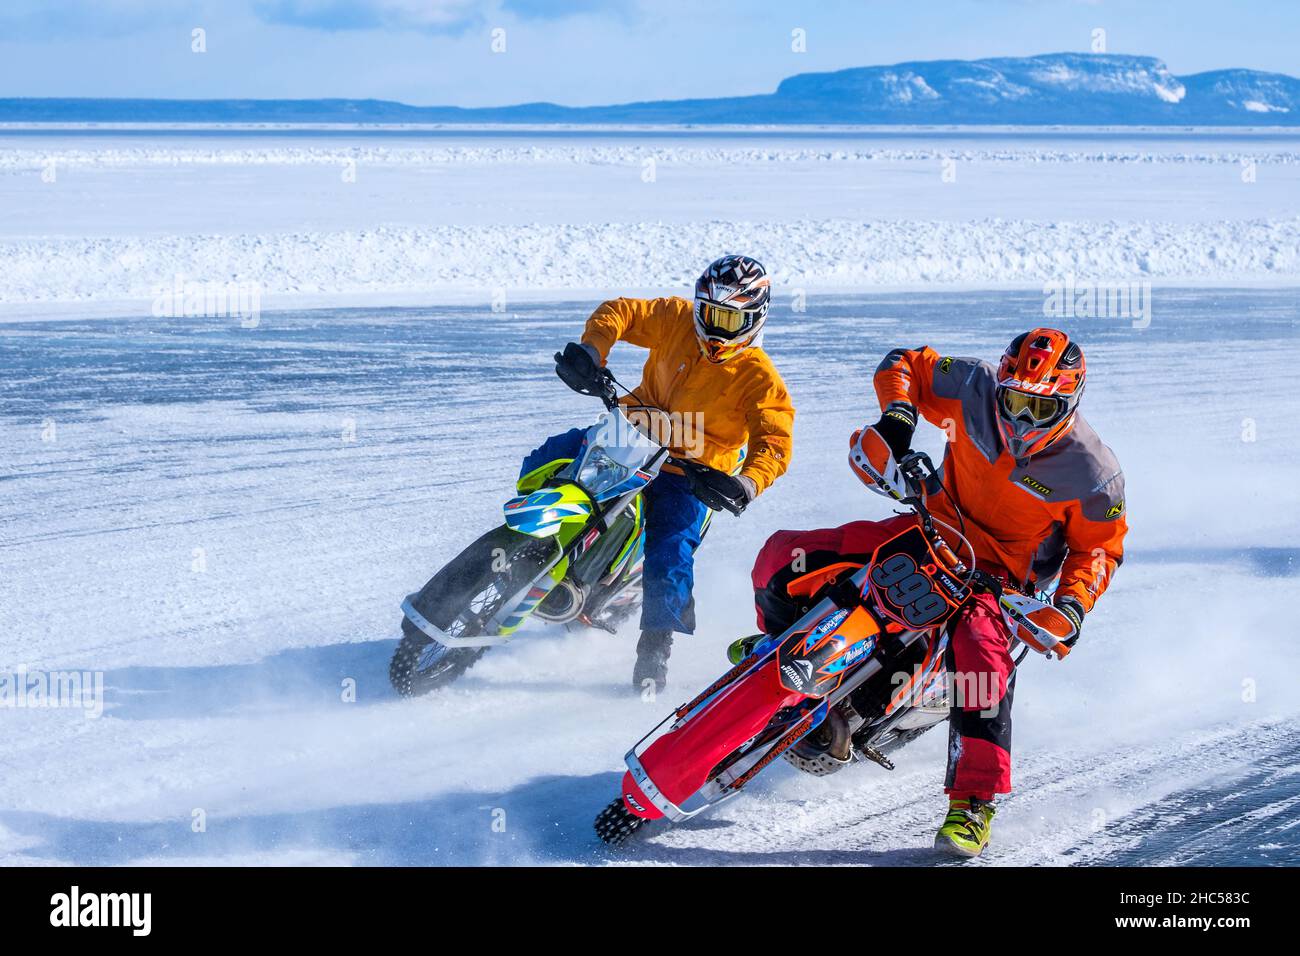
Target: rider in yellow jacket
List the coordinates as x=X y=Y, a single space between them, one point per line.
x=719 y=401
x=716 y=408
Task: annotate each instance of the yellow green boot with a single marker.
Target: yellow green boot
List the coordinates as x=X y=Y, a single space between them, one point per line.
x=966 y=829
x=742 y=647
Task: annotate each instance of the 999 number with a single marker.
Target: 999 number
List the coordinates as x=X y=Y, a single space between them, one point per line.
x=910 y=591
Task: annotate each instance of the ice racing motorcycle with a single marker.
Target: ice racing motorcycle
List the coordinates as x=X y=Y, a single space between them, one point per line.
x=856 y=676
x=570 y=551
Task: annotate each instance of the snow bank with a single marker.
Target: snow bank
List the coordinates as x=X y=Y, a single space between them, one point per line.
x=26 y=160
x=816 y=254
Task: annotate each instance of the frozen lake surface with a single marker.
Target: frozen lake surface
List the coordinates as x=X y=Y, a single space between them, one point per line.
x=223 y=521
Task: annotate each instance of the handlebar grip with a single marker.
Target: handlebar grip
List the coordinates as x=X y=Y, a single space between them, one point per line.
x=710 y=486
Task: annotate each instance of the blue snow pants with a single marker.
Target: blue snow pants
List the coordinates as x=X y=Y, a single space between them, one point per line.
x=675 y=521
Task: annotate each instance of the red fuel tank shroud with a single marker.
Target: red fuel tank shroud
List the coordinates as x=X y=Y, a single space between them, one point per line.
x=679 y=762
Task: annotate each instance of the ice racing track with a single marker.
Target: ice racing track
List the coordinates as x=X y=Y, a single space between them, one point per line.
x=225 y=520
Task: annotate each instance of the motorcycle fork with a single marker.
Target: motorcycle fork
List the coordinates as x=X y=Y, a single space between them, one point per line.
x=513 y=612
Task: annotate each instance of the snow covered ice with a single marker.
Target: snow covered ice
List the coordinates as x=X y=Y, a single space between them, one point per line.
x=223 y=520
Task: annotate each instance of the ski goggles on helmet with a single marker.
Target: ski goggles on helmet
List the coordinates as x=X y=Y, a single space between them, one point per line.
x=1021 y=406
x=717 y=321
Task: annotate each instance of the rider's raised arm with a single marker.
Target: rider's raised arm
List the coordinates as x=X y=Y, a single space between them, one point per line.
x=907 y=375
x=770 y=419
x=1094 y=532
x=638 y=321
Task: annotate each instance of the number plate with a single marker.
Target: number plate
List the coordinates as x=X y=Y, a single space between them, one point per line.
x=911 y=585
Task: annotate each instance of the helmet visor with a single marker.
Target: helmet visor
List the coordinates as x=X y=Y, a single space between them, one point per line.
x=1021 y=406
x=719 y=322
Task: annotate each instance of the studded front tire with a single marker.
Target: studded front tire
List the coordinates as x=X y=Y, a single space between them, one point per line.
x=460 y=599
x=420 y=666
x=616 y=823
x=825 y=750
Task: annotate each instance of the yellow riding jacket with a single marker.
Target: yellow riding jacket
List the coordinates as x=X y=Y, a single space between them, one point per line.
x=719 y=408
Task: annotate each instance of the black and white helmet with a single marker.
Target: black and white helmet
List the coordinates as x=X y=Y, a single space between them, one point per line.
x=731 y=299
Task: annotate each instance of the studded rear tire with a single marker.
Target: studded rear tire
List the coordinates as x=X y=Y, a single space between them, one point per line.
x=825 y=750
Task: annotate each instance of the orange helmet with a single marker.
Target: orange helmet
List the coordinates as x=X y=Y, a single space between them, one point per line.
x=1040 y=381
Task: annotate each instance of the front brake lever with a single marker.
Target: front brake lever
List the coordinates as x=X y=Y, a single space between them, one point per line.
x=917 y=468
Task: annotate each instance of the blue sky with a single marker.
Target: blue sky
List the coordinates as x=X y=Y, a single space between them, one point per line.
x=583 y=51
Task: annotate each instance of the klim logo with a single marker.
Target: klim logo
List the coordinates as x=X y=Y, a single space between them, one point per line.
x=1036 y=485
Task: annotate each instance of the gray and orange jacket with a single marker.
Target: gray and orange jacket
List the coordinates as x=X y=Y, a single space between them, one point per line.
x=1062 y=509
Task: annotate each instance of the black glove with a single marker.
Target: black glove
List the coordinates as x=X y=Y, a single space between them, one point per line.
x=580 y=371
x=896 y=427
x=717 y=489
x=1071 y=608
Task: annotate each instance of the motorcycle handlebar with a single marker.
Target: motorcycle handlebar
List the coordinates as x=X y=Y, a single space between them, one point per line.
x=609 y=398
x=917 y=468
x=699 y=475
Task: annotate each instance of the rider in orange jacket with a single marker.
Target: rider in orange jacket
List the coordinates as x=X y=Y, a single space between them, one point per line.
x=1038 y=494
x=1041 y=500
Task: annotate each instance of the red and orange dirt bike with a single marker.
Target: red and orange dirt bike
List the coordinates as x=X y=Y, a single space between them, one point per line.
x=857 y=676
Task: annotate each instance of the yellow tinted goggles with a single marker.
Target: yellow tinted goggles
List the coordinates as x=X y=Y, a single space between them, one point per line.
x=1041 y=408
x=720 y=321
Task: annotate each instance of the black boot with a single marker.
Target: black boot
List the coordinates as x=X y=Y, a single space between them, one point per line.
x=652 y=659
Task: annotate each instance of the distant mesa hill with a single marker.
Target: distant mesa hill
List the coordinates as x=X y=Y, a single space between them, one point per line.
x=1057 y=88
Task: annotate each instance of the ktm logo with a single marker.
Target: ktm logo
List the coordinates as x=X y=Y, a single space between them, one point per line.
x=1116 y=509
x=1034 y=388
x=1036 y=485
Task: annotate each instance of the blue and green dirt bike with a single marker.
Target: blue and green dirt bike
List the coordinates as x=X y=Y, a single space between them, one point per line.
x=570 y=553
